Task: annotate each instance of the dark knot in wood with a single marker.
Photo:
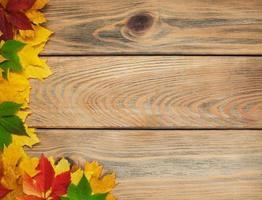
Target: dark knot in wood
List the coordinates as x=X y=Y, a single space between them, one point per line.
x=140 y=22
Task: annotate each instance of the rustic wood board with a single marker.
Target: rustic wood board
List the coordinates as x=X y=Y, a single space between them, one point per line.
x=181 y=165
x=106 y=89
x=155 y=27
x=149 y=92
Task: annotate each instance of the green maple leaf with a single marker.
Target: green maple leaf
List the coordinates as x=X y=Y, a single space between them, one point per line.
x=12 y=63
x=10 y=123
x=5 y=138
x=82 y=191
x=9 y=109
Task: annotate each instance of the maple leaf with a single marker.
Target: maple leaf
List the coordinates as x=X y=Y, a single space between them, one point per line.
x=3 y=191
x=82 y=191
x=14 y=163
x=16 y=89
x=46 y=184
x=99 y=184
x=60 y=166
x=36 y=17
x=13 y=17
x=103 y=184
x=10 y=123
x=12 y=63
x=34 y=67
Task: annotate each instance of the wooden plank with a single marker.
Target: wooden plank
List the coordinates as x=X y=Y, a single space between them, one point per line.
x=150 y=92
x=155 y=27
x=181 y=165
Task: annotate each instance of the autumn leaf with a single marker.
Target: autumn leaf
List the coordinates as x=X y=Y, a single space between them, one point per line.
x=60 y=166
x=39 y=4
x=46 y=175
x=13 y=17
x=9 y=108
x=19 y=5
x=93 y=169
x=16 y=89
x=99 y=184
x=82 y=191
x=3 y=191
x=10 y=123
x=25 y=140
x=103 y=184
x=14 y=163
x=46 y=184
x=34 y=67
x=12 y=63
x=29 y=140
x=36 y=17
x=5 y=138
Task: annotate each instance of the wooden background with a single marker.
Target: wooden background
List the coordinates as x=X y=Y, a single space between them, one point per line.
x=166 y=93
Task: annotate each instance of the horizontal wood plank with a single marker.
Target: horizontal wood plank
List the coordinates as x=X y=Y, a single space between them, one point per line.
x=155 y=27
x=181 y=165
x=149 y=92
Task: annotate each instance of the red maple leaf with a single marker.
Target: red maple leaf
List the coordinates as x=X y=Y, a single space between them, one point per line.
x=3 y=191
x=12 y=17
x=45 y=185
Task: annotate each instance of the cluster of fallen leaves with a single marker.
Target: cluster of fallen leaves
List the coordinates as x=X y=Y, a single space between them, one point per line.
x=22 y=38
x=25 y=178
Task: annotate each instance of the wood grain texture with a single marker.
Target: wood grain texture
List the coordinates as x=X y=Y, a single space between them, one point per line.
x=181 y=165
x=155 y=27
x=149 y=92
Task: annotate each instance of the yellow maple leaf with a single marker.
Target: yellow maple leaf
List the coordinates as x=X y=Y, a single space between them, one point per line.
x=31 y=138
x=76 y=176
x=15 y=162
x=16 y=89
x=40 y=35
x=93 y=172
x=39 y=4
x=36 y=16
x=26 y=34
x=34 y=67
x=61 y=166
x=104 y=184
x=11 y=157
x=28 y=165
x=93 y=169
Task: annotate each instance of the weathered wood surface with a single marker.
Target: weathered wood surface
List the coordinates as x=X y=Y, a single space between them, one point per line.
x=154 y=26
x=157 y=92
x=149 y=92
x=181 y=165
